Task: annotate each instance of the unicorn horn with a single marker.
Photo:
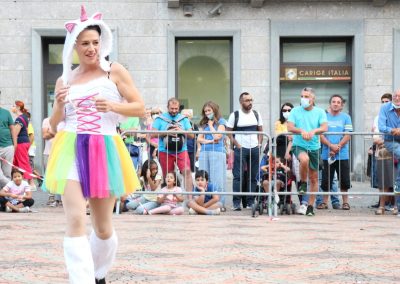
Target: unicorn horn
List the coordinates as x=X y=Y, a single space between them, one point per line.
x=83 y=14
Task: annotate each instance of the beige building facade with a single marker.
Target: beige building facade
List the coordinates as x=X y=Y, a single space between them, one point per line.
x=214 y=50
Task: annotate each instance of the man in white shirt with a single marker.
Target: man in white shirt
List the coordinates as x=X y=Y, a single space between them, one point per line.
x=246 y=147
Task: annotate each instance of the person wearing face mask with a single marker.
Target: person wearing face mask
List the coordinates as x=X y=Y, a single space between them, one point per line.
x=307 y=121
x=284 y=143
x=212 y=156
x=389 y=124
x=174 y=122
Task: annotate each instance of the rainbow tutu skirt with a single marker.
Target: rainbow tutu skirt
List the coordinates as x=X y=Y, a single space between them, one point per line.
x=102 y=161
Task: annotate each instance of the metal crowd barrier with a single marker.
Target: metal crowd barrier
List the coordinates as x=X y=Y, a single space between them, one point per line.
x=357 y=159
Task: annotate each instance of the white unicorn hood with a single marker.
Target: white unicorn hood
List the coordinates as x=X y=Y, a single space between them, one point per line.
x=74 y=28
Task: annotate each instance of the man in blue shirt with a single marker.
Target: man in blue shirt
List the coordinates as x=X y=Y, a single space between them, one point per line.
x=307 y=121
x=174 y=122
x=335 y=151
x=389 y=123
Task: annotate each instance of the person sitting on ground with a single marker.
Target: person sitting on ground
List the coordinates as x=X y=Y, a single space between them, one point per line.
x=151 y=182
x=170 y=202
x=206 y=204
x=16 y=196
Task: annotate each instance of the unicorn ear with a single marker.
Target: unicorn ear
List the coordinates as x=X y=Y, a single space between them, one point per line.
x=70 y=27
x=97 y=16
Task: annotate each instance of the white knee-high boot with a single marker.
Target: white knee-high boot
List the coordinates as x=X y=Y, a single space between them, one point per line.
x=103 y=253
x=78 y=259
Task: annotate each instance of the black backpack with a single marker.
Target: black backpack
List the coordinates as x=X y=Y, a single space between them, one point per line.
x=236 y=113
x=173 y=144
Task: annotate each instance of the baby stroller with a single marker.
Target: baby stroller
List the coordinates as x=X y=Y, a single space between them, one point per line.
x=271 y=168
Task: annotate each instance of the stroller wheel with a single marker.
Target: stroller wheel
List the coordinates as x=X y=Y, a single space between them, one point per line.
x=281 y=208
x=261 y=208
x=293 y=207
x=254 y=209
x=288 y=209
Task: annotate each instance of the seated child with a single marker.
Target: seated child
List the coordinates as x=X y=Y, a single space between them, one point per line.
x=170 y=203
x=151 y=182
x=282 y=174
x=206 y=204
x=16 y=196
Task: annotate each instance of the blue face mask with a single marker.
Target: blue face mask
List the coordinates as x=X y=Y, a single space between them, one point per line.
x=395 y=106
x=210 y=116
x=305 y=102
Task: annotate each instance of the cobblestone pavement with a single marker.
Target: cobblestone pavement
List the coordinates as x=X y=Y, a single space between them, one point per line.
x=335 y=246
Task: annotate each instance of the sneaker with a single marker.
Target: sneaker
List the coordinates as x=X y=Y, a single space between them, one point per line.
x=8 y=209
x=302 y=188
x=248 y=207
x=236 y=208
x=375 y=205
x=54 y=204
x=192 y=211
x=388 y=208
x=223 y=209
x=216 y=211
x=50 y=200
x=310 y=211
x=302 y=209
x=24 y=209
x=336 y=206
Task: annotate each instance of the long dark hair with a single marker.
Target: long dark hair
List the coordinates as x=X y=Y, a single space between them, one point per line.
x=147 y=165
x=281 y=118
x=217 y=114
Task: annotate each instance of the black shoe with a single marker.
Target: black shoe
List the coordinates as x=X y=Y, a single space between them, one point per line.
x=375 y=205
x=101 y=281
x=310 y=211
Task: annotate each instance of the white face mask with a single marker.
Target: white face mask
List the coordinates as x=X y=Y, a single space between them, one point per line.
x=305 y=102
x=154 y=116
x=395 y=106
x=286 y=115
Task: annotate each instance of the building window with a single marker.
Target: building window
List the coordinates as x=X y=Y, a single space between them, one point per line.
x=324 y=64
x=203 y=73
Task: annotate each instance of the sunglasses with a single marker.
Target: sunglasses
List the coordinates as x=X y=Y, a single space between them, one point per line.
x=286 y=110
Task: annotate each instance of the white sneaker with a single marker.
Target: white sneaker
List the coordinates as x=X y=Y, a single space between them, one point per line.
x=302 y=209
x=8 y=209
x=24 y=209
x=216 y=211
x=192 y=211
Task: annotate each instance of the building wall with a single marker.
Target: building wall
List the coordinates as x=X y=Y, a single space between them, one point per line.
x=142 y=33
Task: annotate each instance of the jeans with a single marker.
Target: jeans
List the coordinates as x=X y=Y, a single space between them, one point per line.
x=334 y=188
x=134 y=149
x=250 y=158
x=215 y=165
x=394 y=148
x=141 y=204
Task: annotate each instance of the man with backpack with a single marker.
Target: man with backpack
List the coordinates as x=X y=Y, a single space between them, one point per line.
x=246 y=147
x=172 y=147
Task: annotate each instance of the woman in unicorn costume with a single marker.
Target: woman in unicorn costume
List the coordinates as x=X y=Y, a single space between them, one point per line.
x=89 y=159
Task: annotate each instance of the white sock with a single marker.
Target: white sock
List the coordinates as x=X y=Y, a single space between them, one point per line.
x=103 y=253
x=78 y=259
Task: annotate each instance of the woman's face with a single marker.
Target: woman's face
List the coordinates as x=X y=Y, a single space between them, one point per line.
x=208 y=110
x=88 y=47
x=286 y=111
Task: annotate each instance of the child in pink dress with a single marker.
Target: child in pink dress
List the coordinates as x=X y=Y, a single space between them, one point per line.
x=170 y=203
